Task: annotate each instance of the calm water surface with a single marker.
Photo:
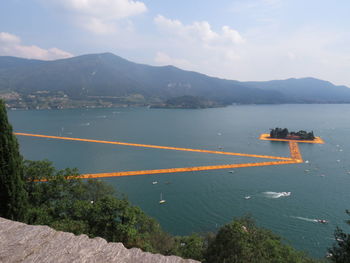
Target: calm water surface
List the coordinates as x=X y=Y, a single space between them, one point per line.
x=204 y=201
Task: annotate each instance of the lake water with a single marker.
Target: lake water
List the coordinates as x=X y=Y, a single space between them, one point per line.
x=204 y=201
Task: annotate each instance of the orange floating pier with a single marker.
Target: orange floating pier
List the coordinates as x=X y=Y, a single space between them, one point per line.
x=152 y=146
x=295 y=152
x=184 y=169
x=295 y=156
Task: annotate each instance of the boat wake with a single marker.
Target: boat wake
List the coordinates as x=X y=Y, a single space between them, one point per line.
x=322 y=221
x=305 y=219
x=276 y=194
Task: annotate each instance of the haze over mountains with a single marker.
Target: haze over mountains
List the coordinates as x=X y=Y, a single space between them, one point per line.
x=107 y=76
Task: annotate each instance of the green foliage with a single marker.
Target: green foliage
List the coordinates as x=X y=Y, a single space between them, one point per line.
x=88 y=207
x=13 y=204
x=193 y=246
x=279 y=133
x=340 y=252
x=242 y=241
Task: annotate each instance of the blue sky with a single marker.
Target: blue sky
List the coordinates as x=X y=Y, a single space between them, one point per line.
x=237 y=39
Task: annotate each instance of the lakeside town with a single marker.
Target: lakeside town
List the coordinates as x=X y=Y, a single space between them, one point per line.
x=40 y=100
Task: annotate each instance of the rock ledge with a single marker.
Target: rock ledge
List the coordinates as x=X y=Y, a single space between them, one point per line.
x=26 y=243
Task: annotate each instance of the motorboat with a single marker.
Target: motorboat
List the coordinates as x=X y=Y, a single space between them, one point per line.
x=285 y=193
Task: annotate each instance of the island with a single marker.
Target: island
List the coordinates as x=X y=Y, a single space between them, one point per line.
x=279 y=133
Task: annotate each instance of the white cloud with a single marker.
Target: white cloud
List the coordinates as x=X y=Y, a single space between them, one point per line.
x=199 y=32
x=96 y=25
x=265 y=52
x=6 y=38
x=10 y=45
x=232 y=35
x=307 y=52
x=101 y=16
x=199 y=46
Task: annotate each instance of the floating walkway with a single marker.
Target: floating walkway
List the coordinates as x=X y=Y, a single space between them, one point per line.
x=295 y=152
x=184 y=169
x=295 y=156
x=153 y=146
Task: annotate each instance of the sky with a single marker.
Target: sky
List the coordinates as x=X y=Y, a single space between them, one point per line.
x=244 y=40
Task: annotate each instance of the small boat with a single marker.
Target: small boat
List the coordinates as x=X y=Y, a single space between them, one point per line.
x=161 y=201
x=231 y=172
x=155 y=182
x=322 y=221
x=247 y=197
x=286 y=193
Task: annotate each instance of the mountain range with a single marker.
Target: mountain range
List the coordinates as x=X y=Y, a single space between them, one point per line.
x=107 y=76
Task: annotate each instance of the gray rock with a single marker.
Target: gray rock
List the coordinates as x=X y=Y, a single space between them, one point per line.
x=26 y=243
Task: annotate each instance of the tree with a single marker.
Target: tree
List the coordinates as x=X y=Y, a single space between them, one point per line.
x=242 y=241
x=340 y=252
x=89 y=207
x=192 y=246
x=13 y=196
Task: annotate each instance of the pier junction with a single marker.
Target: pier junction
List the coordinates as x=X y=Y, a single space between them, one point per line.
x=295 y=156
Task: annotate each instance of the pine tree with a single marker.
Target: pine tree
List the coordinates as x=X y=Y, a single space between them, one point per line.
x=13 y=196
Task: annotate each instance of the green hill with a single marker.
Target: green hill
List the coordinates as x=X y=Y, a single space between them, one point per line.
x=107 y=77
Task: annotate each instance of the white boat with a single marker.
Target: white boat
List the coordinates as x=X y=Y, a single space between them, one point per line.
x=161 y=200
x=247 y=197
x=286 y=193
x=155 y=182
